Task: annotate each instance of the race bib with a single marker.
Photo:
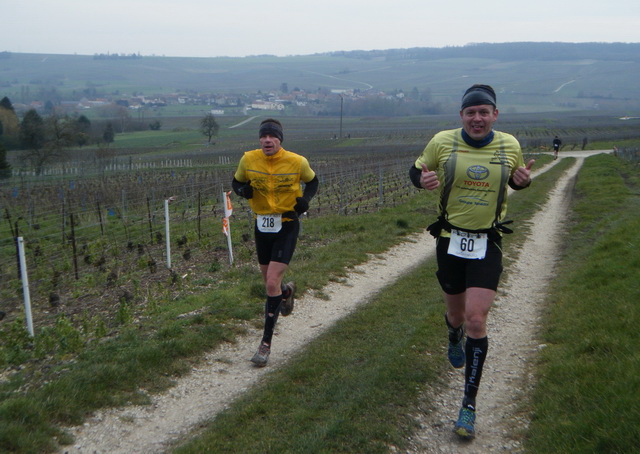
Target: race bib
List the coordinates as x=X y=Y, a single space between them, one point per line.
x=269 y=223
x=468 y=245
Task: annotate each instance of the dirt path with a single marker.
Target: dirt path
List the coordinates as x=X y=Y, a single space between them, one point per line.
x=227 y=372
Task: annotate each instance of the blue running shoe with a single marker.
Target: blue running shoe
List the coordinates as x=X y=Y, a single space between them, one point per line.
x=456 y=354
x=465 y=426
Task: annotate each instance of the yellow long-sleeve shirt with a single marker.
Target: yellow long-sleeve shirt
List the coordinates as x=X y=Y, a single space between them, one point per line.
x=275 y=179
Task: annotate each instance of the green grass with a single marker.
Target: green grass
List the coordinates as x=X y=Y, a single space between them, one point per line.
x=585 y=400
x=164 y=139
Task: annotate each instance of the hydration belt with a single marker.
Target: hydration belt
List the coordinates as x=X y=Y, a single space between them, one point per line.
x=442 y=224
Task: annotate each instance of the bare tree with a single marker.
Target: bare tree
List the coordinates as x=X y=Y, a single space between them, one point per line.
x=209 y=126
x=123 y=117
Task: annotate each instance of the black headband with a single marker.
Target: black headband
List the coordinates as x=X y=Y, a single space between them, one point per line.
x=272 y=129
x=478 y=95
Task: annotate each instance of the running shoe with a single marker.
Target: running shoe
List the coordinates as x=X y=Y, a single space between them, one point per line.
x=262 y=355
x=287 y=303
x=456 y=354
x=465 y=426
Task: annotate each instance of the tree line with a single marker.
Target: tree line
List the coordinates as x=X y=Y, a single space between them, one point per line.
x=508 y=51
x=47 y=139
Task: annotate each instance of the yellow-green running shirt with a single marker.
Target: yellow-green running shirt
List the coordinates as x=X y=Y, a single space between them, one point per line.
x=473 y=181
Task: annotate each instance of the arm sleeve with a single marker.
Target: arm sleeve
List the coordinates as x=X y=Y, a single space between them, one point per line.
x=236 y=185
x=310 y=189
x=414 y=175
x=515 y=187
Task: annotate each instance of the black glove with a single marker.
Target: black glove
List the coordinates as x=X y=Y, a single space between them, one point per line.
x=246 y=191
x=301 y=206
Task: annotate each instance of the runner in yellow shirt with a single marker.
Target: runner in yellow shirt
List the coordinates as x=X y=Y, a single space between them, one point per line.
x=271 y=178
x=472 y=168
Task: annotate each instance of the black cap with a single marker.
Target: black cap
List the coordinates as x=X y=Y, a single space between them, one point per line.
x=478 y=95
x=272 y=128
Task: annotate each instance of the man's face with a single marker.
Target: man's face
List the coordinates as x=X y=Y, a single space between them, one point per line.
x=270 y=144
x=477 y=121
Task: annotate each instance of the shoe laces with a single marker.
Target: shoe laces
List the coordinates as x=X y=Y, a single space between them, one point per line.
x=467 y=417
x=456 y=349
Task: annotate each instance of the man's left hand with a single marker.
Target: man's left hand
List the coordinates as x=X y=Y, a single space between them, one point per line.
x=301 y=205
x=522 y=175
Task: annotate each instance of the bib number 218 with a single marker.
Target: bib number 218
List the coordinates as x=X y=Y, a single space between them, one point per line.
x=269 y=223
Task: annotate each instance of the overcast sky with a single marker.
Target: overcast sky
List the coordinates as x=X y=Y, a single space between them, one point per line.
x=236 y=28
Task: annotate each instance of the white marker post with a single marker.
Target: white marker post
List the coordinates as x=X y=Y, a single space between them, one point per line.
x=166 y=231
x=25 y=286
x=226 y=224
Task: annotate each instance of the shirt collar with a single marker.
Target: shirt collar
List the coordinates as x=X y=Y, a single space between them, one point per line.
x=477 y=143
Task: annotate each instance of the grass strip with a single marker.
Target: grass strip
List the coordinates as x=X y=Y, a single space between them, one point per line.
x=585 y=399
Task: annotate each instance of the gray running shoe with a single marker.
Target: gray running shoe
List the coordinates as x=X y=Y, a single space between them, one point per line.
x=262 y=355
x=287 y=304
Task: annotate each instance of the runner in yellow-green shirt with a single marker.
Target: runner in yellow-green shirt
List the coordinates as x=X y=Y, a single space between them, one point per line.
x=472 y=168
x=271 y=178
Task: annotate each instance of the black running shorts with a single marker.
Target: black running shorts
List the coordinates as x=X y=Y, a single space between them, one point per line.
x=456 y=274
x=277 y=247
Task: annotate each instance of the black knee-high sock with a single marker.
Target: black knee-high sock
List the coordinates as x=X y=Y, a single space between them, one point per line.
x=476 y=352
x=271 y=312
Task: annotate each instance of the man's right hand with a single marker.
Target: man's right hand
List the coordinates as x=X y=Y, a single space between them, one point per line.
x=429 y=179
x=246 y=190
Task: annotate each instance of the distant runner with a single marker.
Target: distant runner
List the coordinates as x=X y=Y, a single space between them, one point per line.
x=556 y=146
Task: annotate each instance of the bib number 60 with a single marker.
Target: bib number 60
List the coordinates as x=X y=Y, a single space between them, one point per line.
x=468 y=245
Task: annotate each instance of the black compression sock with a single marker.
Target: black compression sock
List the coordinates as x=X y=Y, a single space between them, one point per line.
x=476 y=352
x=272 y=310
